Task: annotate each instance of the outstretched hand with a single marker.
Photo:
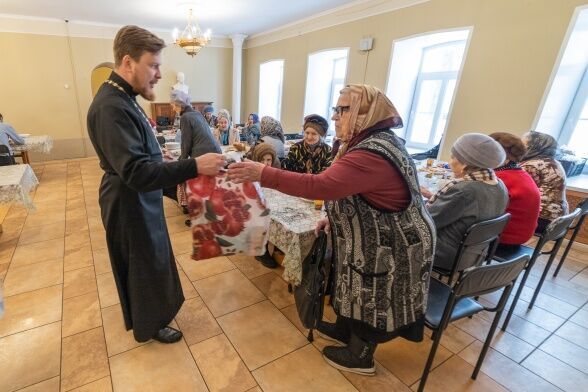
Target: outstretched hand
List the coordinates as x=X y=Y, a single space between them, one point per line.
x=210 y=164
x=247 y=171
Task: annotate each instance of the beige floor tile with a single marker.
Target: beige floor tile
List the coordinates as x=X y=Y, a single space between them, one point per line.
x=44 y=218
x=200 y=269
x=275 y=288
x=406 y=360
x=84 y=359
x=77 y=240
x=30 y=235
x=32 y=277
x=556 y=372
x=567 y=352
x=187 y=287
x=261 y=334
x=220 y=365
x=78 y=282
x=454 y=339
x=196 y=322
x=454 y=375
x=250 y=267
x=118 y=339
x=176 y=224
x=505 y=371
x=51 y=385
x=77 y=258
x=156 y=367
x=95 y=223
x=382 y=381
x=255 y=389
x=72 y=213
x=101 y=261
x=30 y=357
x=31 y=310
x=574 y=333
x=81 y=314
x=107 y=290
x=302 y=370
x=98 y=239
x=181 y=242
x=37 y=252
x=102 y=385
x=3 y=269
x=227 y=292
x=15 y=224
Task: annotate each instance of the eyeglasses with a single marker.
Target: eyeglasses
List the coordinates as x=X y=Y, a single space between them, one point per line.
x=340 y=109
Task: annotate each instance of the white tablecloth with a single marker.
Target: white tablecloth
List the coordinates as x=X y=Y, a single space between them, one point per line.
x=16 y=181
x=43 y=143
x=292 y=229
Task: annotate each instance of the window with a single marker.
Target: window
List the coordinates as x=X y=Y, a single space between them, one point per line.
x=564 y=114
x=271 y=76
x=423 y=76
x=325 y=78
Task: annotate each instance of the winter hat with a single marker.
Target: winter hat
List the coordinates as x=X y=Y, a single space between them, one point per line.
x=478 y=150
x=180 y=97
x=316 y=122
x=208 y=109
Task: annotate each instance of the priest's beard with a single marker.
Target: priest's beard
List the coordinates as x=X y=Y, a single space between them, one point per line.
x=144 y=89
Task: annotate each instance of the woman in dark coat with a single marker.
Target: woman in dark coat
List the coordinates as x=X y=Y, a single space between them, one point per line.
x=311 y=155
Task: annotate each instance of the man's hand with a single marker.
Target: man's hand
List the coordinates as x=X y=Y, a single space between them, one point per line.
x=210 y=164
x=247 y=171
x=323 y=224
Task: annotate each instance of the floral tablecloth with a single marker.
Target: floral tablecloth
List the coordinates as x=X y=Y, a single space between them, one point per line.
x=16 y=181
x=292 y=229
x=43 y=143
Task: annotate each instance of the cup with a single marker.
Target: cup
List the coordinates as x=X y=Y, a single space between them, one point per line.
x=318 y=204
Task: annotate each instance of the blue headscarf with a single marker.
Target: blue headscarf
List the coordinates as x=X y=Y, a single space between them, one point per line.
x=208 y=109
x=255 y=117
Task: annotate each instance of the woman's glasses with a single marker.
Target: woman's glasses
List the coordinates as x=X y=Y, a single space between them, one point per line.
x=340 y=109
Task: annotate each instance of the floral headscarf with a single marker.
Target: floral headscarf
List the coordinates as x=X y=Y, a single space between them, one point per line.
x=540 y=145
x=370 y=109
x=272 y=127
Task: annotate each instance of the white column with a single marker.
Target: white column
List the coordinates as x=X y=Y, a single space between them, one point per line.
x=237 y=65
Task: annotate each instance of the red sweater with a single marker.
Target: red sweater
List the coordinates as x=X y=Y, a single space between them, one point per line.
x=357 y=172
x=523 y=205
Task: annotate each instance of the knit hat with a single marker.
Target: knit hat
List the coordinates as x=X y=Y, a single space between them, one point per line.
x=180 y=97
x=513 y=145
x=478 y=150
x=317 y=123
x=261 y=150
x=208 y=109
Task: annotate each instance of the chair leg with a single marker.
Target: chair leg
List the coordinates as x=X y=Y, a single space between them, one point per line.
x=568 y=247
x=554 y=251
x=516 y=297
x=430 y=359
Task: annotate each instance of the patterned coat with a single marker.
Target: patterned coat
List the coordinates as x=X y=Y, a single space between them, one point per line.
x=550 y=178
x=383 y=259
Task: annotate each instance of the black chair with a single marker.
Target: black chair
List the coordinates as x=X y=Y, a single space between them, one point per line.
x=583 y=206
x=447 y=304
x=477 y=245
x=555 y=231
x=6 y=158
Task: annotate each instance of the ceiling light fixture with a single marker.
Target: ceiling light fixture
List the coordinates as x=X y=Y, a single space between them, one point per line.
x=192 y=39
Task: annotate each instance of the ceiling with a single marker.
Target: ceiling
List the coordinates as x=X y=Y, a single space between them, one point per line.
x=223 y=17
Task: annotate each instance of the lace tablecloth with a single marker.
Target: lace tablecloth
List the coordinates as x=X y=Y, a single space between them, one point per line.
x=16 y=181
x=43 y=143
x=292 y=230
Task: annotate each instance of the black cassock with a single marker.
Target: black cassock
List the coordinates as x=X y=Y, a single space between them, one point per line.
x=131 y=205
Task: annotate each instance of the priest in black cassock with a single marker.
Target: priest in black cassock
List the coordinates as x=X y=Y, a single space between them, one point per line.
x=131 y=190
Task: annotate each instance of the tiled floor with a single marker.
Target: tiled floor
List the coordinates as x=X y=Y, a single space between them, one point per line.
x=63 y=328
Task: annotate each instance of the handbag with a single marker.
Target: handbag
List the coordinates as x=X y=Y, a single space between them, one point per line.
x=309 y=295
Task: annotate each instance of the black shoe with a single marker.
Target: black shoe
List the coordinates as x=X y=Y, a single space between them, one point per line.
x=267 y=260
x=168 y=335
x=334 y=332
x=357 y=357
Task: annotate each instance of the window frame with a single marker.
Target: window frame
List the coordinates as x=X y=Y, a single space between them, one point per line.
x=280 y=89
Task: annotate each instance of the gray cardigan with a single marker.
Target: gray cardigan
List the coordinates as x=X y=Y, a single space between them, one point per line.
x=197 y=139
x=464 y=204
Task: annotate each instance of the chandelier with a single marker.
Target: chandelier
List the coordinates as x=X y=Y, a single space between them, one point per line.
x=192 y=39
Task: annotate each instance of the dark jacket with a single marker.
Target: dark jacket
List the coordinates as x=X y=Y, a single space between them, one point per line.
x=197 y=138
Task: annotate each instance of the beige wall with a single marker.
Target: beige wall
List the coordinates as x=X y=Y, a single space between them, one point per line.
x=36 y=68
x=512 y=52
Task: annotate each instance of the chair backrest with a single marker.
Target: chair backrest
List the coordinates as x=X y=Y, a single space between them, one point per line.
x=557 y=228
x=488 y=278
x=477 y=242
x=6 y=157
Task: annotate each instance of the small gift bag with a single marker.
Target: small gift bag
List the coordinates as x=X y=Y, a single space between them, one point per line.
x=227 y=218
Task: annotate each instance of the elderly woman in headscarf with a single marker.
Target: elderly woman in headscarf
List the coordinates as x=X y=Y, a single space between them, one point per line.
x=251 y=132
x=475 y=194
x=209 y=116
x=539 y=161
x=311 y=155
x=224 y=132
x=272 y=133
x=524 y=199
x=265 y=154
x=382 y=233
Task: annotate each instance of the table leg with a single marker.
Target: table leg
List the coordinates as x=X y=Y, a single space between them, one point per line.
x=25 y=157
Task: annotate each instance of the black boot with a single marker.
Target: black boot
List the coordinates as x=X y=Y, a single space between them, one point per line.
x=338 y=332
x=267 y=260
x=168 y=335
x=357 y=357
